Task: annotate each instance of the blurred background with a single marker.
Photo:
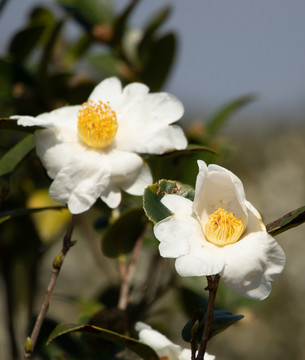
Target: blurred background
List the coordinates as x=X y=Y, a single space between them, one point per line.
x=238 y=68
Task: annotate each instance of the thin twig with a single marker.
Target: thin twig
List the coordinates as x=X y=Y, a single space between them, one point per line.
x=127 y=274
x=57 y=263
x=212 y=288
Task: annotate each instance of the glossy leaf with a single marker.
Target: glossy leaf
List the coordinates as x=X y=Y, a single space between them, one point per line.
x=12 y=158
x=144 y=351
x=120 y=237
x=154 y=209
x=292 y=219
x=7 y=215
x=221 y=321
x=219 y=119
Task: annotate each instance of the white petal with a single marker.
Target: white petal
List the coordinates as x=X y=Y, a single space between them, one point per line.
x=143 y=121
x=155 y=339
x=177 y=204
x=139 y=180
x=82 y=181
x=129 y=171
x=161 y=108
x=173 y=234
x=108 y=90
x=54 y=154
x=204 y=259
x=155 y=140
x=65 y=117
x=254 y=261
x=112 y=196
x=218 y=188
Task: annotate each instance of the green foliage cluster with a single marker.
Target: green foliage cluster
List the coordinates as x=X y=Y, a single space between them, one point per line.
x=44 y=70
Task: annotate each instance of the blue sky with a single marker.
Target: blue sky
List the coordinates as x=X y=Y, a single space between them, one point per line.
x=228 y=48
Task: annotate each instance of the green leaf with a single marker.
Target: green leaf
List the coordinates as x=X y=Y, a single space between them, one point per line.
x=219 y=119
x=290 y=220
x=120 y=237
x=6 y=76
x=156 y=21
x=90 y=12
x=192 y=149
x=25 y=41
x=144 y=351
x=154 y=209
x=10 y=214
x=11 y=124
x=12 y=158
x=221 y=321
x=120 y=23
x=107 y=64
x=159 y=61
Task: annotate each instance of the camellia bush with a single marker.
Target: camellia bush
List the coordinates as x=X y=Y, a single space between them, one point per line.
x=89 y=141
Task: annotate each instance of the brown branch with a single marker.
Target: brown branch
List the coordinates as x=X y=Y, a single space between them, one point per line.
x=57 y=263
x=212 y=288
x=127 y=273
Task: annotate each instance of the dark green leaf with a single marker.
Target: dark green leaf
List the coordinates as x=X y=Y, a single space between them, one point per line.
x=107 y=64
x=221 y=321
x=154 y=209
x=144 y=351
x=25 y=41
x=190 y=150
x=6 y=72
x=159 y=61
x=11 y=124
x=77 y=50
x=157 y=20
x=12 y=158
x=7 y=215
x=121 y=236
x=288 y=221
x=90 y=12
x=219 y=119
x=121 y=22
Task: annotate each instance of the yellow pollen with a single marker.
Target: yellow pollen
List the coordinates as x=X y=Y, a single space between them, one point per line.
x=222 y=228
x=97 y=124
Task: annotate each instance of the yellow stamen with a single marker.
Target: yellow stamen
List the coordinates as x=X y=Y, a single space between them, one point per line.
x=222 y=228
x=97 y=124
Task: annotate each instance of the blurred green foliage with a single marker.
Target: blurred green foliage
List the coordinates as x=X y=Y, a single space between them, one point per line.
x=42 y=70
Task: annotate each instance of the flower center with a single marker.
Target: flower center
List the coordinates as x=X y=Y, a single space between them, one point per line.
x=97 y=124
x=222 y=228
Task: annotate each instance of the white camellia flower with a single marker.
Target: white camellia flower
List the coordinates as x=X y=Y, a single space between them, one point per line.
x=164 y=348
x=91 y=150
x=220 y=233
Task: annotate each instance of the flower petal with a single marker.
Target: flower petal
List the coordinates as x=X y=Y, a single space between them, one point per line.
x=108 y=90
x=65 y=117
x=217 y=187
x=112 y=196
x=81 y=181
x=173 y=233
x=254 y=261
x=129 y=171
x=144 y=121
x=54 y=154
x=177 y=204
x=155 y=140
x=204 y=259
